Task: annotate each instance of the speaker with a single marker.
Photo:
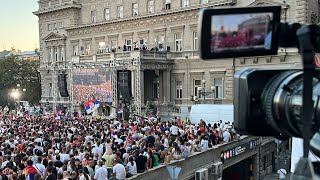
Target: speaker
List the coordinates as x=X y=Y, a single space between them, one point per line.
x=168 y=48
x=124 y=85
x=63 y=85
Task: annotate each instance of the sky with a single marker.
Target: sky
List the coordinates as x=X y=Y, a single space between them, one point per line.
x=19 y=27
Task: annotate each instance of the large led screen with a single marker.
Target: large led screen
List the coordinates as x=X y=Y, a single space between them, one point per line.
x=91 y=84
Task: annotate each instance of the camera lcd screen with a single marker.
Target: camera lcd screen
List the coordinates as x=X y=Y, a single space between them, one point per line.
x=239 y=32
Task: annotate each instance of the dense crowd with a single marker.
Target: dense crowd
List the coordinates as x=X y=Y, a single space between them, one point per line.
x=41 y=147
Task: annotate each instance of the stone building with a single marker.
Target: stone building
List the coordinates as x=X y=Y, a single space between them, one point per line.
x=80 y=32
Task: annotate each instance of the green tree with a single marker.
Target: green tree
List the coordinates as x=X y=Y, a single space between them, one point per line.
x=14 y=71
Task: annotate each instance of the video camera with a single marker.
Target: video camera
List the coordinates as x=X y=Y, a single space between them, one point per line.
x=268 y=102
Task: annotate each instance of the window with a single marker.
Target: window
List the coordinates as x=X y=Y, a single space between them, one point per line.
x=75 y=50
x=155 y=89
x=204 y=1
x=107 y=14
x=54 y=26
x=150 y=5
x=128 y=43
x=218 y=84
x=102 y=47
x=197 y=88
x=93 y=16
x=178 y=89
x=120 y=11
x=60 y=25
x=55 y=50
x=49 y=27
x=185 y=3
x=88 y=49
x=62 y=53
x=195 y=41
x=160 y=41
x=114 y=45
x=178 y=42
x=167 y=4
x=135 y=9
x=141 y=42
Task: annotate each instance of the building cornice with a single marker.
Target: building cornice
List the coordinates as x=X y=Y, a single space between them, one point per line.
x=157 y=14
x=57 y=8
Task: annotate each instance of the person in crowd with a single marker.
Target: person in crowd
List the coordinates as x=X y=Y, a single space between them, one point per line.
x=101 y=173
x=119 y=171
x=131 y=167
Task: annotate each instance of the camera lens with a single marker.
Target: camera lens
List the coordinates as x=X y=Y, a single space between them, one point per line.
x=282 y=103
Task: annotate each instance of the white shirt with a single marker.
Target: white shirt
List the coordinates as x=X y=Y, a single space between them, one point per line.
x=64 y=157
x=204 y=144
x=226 y=136
x=101 y=174
x=174 y=130
x=282 y=173
x=40 y=168
x=120 y=171
x=97 y=150
x=132 y=169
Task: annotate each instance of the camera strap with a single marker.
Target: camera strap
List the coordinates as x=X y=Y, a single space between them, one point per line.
x=307 y=52
x=304 y=168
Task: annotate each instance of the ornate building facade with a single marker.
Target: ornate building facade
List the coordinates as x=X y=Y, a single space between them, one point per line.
x=80 y=32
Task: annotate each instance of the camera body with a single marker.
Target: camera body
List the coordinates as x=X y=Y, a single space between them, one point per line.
x=268 y=102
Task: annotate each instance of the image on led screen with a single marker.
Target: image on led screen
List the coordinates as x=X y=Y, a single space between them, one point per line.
x=91 y=84
x=238 y=32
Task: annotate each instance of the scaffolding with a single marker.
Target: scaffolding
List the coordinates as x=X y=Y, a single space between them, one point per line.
x=137 y=63
x=71 y=100
x=115 y=65
x=114 y=82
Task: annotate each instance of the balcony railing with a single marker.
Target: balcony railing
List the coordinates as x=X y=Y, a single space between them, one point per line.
x=183 y=54
x=160 y=56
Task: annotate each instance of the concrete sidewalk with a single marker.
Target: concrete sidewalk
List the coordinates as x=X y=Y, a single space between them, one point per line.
x=274 y=176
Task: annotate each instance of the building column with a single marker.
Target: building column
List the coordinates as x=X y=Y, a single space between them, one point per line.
x=63 y=53
x=59 y=53
x=167 y=88
x=161 y=87
x=52 y=54
x=142 y=86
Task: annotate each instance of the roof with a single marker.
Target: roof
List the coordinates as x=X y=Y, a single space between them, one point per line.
x=4 y=53
x=26 y=53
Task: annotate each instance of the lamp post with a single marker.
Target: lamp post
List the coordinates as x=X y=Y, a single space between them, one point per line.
x=205 y=93
x=16 y=92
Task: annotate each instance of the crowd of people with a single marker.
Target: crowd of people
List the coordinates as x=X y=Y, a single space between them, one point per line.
x=41 y=147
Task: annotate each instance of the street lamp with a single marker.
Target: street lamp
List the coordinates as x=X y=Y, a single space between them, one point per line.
x=204 y=93
x=15 y=92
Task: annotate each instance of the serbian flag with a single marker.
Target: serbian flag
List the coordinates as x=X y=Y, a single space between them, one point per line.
x=91 y=106
x=57 y=115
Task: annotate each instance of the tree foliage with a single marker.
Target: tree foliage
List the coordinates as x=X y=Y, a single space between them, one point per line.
x=14 y=71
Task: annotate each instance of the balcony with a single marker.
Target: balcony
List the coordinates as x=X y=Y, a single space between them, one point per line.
x=145 y=56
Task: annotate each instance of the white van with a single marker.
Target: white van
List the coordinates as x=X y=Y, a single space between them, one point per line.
x=211 y=113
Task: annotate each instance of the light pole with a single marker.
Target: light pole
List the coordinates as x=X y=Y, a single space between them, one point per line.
x=16 y=93
x=204 y=93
